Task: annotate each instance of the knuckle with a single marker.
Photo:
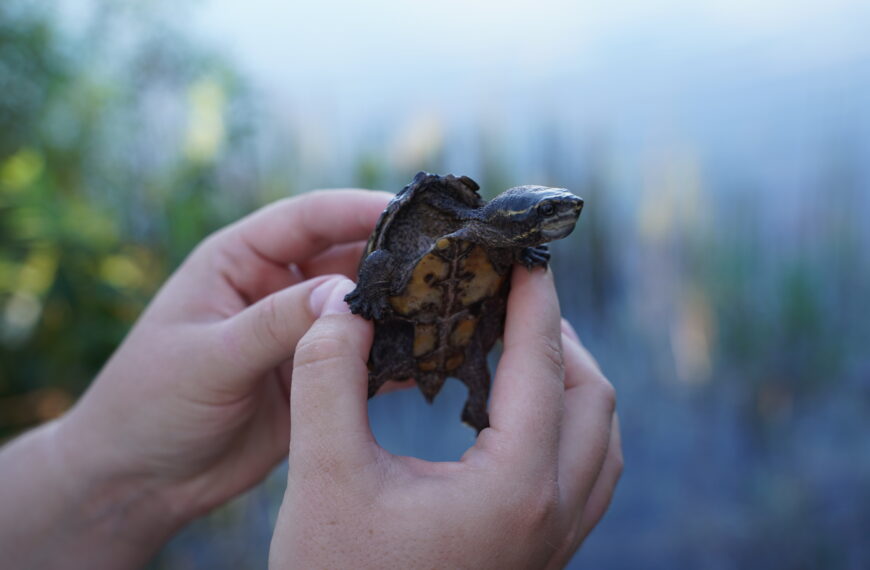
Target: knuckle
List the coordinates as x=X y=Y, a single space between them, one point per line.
x=212 y=242
x=539 y=506
x=550 y=353
x=206 y=254
x=319 y=346
x=532 y=509
x=619 y=464
x=618 y=461
x=272 y=332
x=606 y=392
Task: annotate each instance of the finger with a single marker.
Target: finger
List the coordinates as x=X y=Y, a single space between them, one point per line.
x=250 y=275
x=568 y=329
x=296 y=229
x=329 y=415
x=586 y=428
x=264 y=335
x=256 y=255
x=602 y=491
x=342 y=259
x=527 y=392
x=237 y=278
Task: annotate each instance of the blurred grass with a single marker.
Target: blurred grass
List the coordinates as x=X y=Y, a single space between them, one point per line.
x=731 y=318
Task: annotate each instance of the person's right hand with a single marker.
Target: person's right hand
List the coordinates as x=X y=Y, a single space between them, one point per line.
x=524 y=496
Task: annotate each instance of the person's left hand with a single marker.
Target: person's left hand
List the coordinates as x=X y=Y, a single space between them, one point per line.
x=194 y=407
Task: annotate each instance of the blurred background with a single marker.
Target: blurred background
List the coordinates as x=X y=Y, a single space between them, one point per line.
x=719 y=270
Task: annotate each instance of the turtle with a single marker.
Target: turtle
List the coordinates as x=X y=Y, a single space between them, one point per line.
x=435 y=277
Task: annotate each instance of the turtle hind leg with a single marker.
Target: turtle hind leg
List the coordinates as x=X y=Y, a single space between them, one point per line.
x=476 y=416
x=477 y=380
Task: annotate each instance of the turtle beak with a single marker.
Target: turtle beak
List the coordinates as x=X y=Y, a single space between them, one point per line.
x=568 y=201
x=569 y=208
x=559 y=231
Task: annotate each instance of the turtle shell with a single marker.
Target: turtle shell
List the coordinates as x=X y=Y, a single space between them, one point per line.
x=411 y=220
x=444 y=297
x=434 y=279
x=450 y=310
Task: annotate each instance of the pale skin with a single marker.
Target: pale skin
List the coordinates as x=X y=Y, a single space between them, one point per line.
x=248 y=351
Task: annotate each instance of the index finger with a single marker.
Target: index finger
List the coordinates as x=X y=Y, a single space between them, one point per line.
x=526 y=406
x=295 y=229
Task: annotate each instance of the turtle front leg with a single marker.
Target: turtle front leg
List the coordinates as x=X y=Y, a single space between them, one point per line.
x=532 y=257
x=369 y=299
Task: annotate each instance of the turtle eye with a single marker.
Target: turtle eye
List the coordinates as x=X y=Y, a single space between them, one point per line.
x=547 y=209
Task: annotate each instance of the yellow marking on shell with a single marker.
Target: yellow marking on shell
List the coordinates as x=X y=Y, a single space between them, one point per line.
x=454 y=362
x=485 y=281
x=424 y=338
x=461 y=334
x=427 y=365
x=442 y=243
x=420 y=290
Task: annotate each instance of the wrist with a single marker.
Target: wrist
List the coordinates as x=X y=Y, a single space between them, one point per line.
x=66 y=505
x=115 y=501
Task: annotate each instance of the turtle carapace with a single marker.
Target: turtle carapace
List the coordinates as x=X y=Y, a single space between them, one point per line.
x=435 y=278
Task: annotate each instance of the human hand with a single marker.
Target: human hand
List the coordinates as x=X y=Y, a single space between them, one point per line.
x=193 y=408
x=524 y=496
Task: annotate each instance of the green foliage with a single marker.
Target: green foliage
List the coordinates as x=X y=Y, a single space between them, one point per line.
x=99 y=195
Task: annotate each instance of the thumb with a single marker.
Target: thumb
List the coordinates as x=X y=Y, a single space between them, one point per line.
x=265 y=334
x=329 y=391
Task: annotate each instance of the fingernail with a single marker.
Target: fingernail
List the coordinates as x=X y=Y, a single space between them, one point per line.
x=328 y=297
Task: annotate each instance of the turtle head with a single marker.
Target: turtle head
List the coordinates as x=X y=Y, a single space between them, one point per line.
x=527 y=216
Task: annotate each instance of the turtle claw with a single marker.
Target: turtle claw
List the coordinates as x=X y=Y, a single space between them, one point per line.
x=365 y=306
x=476 y=418
x=532 y=257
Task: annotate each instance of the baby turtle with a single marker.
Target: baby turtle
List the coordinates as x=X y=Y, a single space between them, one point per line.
x=435 y=279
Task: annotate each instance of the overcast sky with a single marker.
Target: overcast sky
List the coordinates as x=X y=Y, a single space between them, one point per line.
x=730 y=76
x=283 y=42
